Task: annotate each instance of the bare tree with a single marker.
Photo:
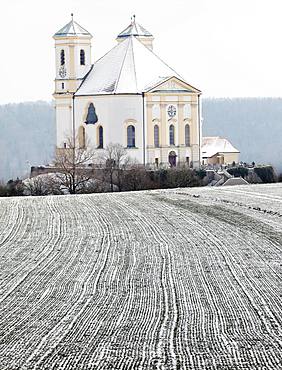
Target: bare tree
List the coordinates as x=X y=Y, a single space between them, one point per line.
x=45 y=184
x=74 y=165
x=116 y=161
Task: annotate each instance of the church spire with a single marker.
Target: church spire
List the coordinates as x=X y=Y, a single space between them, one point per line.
x=72 y=29
x=135 y=29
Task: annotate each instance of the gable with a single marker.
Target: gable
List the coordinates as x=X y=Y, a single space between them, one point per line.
x=173 y=85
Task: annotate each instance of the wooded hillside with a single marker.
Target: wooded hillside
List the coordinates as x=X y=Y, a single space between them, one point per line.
x=27 y=137
x=253 y=125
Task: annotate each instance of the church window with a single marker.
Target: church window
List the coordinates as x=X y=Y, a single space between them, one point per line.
x=62 y=57
x=82 y=57
x=81 y=137
x=172 y=159
x=92 y=117
x=187 y=135
x=130 y=136
x=171 y=135
x=65 y=145
x=63 y=86
x=100 y=137
x=156 y=136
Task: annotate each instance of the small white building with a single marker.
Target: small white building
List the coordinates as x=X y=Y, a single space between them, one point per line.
x=218 y=150
x=128 y=96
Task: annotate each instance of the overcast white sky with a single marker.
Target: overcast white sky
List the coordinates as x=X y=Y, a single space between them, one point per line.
x=224 y=47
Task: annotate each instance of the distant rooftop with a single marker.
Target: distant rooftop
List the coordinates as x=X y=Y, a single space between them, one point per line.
x=134 y=29
x=212 y=145
x=235 y=181
x=72 y=29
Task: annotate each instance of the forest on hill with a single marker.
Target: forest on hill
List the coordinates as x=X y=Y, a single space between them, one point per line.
x=27 y=137
x=253 y=125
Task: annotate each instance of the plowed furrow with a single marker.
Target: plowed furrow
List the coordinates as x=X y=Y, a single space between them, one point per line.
x=175 y=279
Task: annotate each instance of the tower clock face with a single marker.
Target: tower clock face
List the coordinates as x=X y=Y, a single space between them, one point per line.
x=62 y=72
x=171 y=111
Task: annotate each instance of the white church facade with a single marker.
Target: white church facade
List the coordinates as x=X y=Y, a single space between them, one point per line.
x=129 y=96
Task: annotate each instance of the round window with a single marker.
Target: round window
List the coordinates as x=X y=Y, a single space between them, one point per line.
x=171 y=111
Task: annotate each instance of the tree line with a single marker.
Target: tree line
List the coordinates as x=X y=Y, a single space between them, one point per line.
x=79 y=171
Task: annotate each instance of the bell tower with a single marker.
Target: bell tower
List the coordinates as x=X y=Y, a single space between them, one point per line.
x=73 y=62
x=73 y=56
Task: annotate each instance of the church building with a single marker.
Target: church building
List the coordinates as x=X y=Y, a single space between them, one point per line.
x=129 y=96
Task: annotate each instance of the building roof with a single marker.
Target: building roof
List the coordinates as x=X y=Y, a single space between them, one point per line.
x=235 y=181
x=129 y=68
x=134 y=29
x=72 y=29
x=213 y=145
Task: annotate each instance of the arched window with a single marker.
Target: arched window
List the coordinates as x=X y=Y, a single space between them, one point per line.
x=156 y=136
x=92 y=117
x=171 y=135
x=130 y=136
x=172 y=159
x=82 y=57
x=100 y=137
x=187 y=135
x=62 y=57
x=81 y=137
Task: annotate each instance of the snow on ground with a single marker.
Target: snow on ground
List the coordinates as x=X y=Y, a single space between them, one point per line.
x=174 y=279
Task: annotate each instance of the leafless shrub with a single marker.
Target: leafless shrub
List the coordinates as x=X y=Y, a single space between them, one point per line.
x=42 y=185
x=116 y=161
x=253 y=178
x=75 y=166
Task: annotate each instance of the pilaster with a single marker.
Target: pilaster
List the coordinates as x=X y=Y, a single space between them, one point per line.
x=72 y=61
x=150 y=126
x=181 y=132
x=163 y=126
x=194 y=125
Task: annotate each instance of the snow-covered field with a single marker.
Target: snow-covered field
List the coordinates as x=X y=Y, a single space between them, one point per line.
x=175 y=279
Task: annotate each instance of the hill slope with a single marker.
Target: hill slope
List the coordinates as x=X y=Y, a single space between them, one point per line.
x=27 y=137
x=178 y=279
x=253 y=125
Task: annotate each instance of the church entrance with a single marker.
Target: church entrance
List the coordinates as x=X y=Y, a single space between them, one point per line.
x=172 y=159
